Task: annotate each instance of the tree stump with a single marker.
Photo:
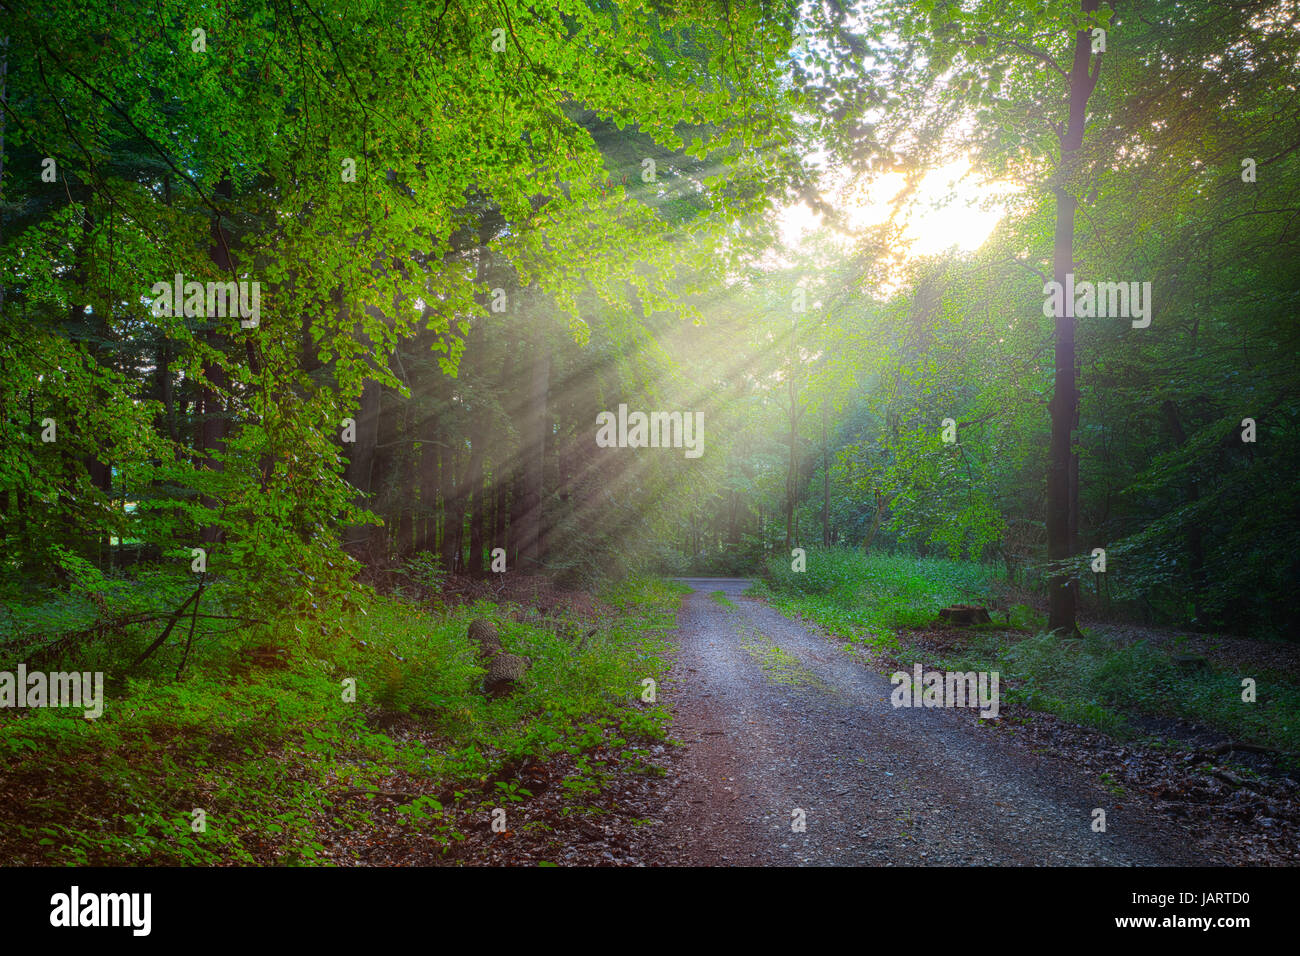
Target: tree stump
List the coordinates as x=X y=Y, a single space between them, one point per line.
x=965 y=614
x=1191 y=663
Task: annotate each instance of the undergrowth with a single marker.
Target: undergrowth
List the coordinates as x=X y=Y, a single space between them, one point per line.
x=267 y=753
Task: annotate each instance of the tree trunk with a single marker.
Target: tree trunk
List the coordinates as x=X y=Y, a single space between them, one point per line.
x=474 y=493
x=515 y=534
x=428 y=526
x=875 y=523
x=1062 y=587
x=1195 y=540
x=501 y=511
x=503 y=473
x=826 y=485
x=476 y=487
x=452 y=517
x=212 y=421
x=361 y=457
x=534 y=461
x=409 y=465
x=790 y=471
x=166 y=389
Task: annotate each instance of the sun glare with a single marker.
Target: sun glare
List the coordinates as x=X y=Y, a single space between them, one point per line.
x=951 y=208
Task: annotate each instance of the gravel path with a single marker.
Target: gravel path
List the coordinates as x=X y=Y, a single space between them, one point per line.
x=777 y=717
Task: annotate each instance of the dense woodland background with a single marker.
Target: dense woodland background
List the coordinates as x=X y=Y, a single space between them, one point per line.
x=477 y=225
x=579 y=210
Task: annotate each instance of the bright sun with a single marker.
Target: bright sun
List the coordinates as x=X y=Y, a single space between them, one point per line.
x=950 y=208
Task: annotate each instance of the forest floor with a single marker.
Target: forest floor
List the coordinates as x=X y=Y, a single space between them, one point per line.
x=767 y=712
x=774 y=716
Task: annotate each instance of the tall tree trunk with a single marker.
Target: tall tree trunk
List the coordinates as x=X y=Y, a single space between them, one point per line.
x=1074 y=466
x=361 y=457
x=452 y=517
x=516 y=532
x=501 y=486
x=1062 y=587
x=1195 y=539
x=489 y=506
x=1074 y=496
x=381 y=537
x=790 y=470
x=534 y=460
x=476 y=489
x=91 y=328
x=428 y=526
x=503 y=472
x=167 y=389
x=875 y=522
x=407 y=504
x=474 y=493
x=212 y=421
x=826 y=485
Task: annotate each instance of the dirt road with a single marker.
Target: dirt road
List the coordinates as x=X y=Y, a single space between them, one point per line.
x=779 y=718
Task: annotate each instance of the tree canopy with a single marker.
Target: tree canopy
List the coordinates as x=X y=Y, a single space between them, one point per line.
x=474 y=227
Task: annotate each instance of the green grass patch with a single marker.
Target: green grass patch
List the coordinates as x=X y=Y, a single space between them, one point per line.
x=1100 y=683
x=270 y=755
x=777 y=664
x=867 y=598
x=1094 y=681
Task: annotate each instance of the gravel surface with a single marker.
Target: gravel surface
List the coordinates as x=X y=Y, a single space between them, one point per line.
x=777 y=717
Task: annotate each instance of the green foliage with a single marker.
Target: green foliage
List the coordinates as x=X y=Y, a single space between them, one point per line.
x=1102 y=682
x=1024 y=617
x=270 y=754
x=232 y=161
x=867 y=597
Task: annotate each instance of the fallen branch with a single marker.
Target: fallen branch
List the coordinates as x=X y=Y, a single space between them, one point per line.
x=1219 y=750
x=175 y=616
x=1248 y=748
x=1229 y=778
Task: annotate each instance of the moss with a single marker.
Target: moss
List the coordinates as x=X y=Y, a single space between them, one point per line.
x=780 y=666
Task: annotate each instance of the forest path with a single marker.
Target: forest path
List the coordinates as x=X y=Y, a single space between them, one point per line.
x=776 y=717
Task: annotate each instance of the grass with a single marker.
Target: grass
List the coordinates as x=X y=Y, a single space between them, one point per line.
x=779 y=665
x=1096 y=681
x=266 y=753
x=721 y=598
x=1100 y=683
x=867 y=598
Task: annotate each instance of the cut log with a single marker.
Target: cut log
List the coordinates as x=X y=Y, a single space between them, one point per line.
x=484 y=633
x=965 y=614
x=504 y=670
